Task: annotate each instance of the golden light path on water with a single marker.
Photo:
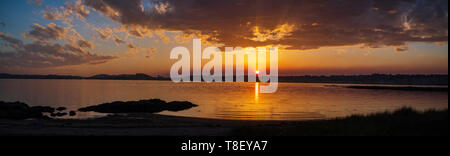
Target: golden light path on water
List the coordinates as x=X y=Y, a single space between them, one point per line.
x=256 y=92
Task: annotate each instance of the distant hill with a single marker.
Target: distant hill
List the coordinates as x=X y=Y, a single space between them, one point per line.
x=96 y=77
x=124 y=77
x=357 y=79
x=10 y=76
x=372 y=79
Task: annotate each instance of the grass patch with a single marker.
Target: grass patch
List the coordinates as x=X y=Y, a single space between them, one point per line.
x=403 y=122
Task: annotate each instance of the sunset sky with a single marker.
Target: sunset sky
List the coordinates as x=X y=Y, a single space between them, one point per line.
x=316 y=37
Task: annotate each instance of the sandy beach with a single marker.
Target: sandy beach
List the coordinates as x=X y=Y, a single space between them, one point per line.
x=128 y=125
x=402 y=122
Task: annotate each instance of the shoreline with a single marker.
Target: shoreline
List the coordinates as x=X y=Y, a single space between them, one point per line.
x=370 y=79
x=401 y=122
x=286 y=82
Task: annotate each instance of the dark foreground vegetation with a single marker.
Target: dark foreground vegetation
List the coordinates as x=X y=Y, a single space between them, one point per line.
x=409 y=88
x=371 y=79
x=19 y=119
x=403 y=122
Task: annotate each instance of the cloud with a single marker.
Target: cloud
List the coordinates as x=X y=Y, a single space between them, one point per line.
x=139 y=32
x=295 y=24
x=2 y=24
x=85 y=44
x=162 y=35
x=277 y=34
x=78 y=9
x=35 y=2
x=401 y=49
x=66 y=12
x=101 y=7
x=162 y=7
x=49 y=32
x=53 y=14
x=41 y=54
x=131 y=46
x=10 y=41
x=150 y=52
x=118 y=40
x=104 y=33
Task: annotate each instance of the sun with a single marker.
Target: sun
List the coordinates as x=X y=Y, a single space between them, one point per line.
x=257 y=72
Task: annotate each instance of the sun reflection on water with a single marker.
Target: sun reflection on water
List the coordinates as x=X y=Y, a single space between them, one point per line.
x=256 y=92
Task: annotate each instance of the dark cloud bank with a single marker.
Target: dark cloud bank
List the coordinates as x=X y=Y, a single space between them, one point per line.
x=299 y=24
x=295 y=24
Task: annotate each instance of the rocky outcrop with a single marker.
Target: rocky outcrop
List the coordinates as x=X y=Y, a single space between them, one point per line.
x=20 y=111
x=143 y=106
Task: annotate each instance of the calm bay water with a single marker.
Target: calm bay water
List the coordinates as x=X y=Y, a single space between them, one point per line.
x=293 y=101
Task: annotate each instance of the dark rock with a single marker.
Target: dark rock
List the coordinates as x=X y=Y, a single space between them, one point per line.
x=61 y=114
x=58 y=114
x=18 y=111
x=15 y=110
x=176 y=106
x=72 y=113
x=43 y=109
x=143 y=106
x=61 y=108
